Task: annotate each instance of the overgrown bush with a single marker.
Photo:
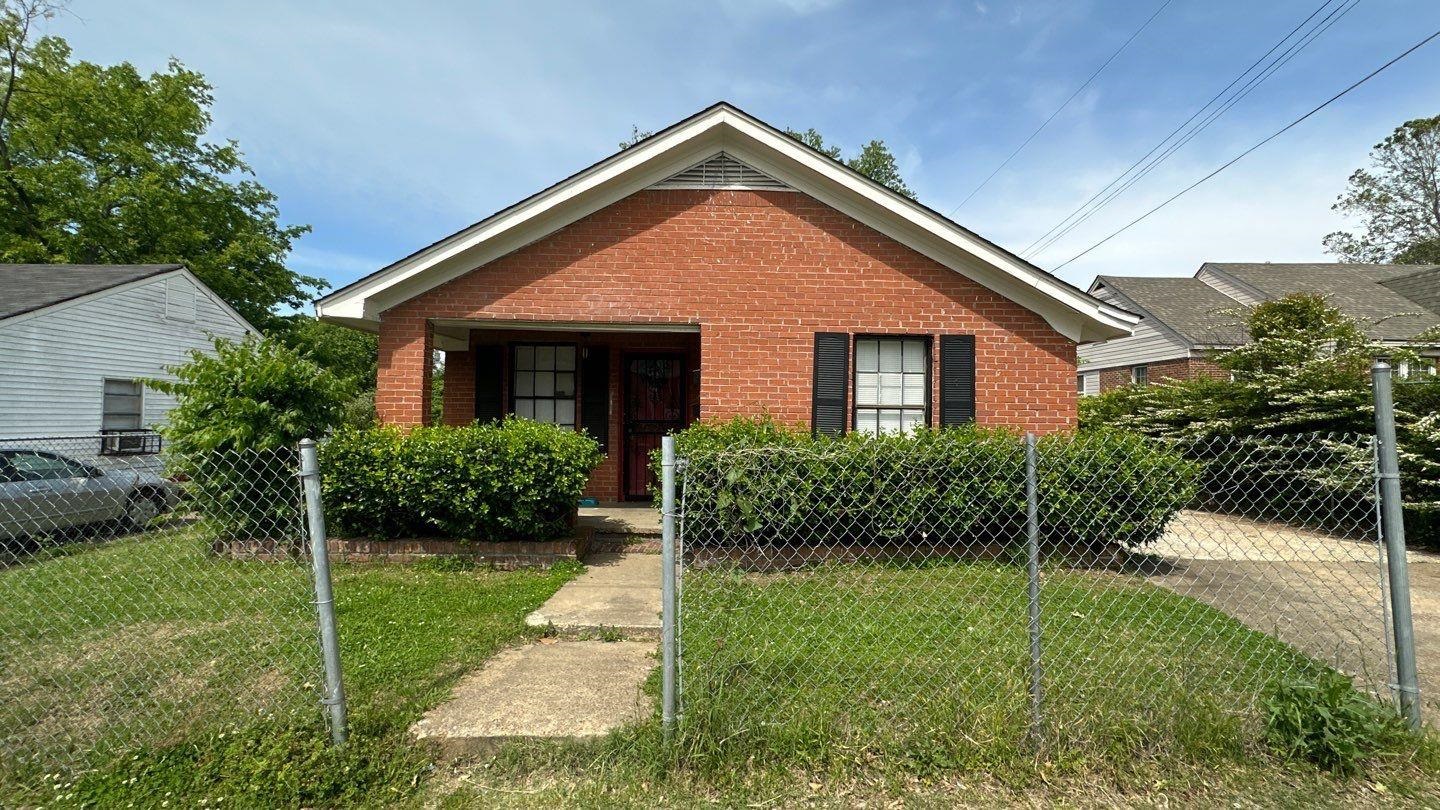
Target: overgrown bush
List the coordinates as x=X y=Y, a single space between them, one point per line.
x=512 y=480
x=1324 y=720
x=755 y=481
x=233 y=433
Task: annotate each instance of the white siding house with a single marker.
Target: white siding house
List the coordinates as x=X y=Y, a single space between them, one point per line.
x=76 y=341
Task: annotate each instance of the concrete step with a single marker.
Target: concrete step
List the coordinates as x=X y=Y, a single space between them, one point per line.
x=556 y=690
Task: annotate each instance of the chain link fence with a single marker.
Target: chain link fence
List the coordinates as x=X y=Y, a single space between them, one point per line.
x=147 y=597
x=879 y=598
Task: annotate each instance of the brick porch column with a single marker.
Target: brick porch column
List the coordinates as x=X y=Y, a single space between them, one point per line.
x=459 y=404
x=402 y=388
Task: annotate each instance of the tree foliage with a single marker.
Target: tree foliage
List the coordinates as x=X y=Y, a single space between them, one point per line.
x=101 y=164
x=255 y=394
x=1304 y=371
x=349 y=354
x=874 y=160
x=1397 y=200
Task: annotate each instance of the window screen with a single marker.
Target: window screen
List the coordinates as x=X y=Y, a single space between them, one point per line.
x=543 y=386
x=892 y=384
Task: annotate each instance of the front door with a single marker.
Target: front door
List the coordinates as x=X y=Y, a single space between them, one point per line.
x=654 y=404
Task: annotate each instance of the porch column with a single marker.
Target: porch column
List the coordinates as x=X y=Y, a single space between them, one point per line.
x=458 y=407
x=402 y=386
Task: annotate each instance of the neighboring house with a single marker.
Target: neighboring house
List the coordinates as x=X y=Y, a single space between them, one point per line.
x=1187 y=320
x=719 y=268
x=77 y=340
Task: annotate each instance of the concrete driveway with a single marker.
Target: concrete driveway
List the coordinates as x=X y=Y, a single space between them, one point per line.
x=1318 y=593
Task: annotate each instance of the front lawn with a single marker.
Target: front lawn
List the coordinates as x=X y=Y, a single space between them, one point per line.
x=877 y=683
x=836 y=686
x=150 y=632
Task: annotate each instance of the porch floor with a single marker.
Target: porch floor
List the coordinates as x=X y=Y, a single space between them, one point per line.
x=636 y=519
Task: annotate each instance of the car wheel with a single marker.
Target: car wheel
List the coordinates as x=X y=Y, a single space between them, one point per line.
x=140 y=509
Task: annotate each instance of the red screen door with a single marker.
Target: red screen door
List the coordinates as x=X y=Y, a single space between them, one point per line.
x=654 y=405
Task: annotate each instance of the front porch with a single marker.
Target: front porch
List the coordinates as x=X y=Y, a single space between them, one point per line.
x=626 y=385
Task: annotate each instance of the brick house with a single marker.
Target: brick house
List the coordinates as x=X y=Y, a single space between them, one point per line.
x=1185 y=321
x=719 y=267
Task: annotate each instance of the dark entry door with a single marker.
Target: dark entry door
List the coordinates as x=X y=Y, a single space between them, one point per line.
x=654 y=405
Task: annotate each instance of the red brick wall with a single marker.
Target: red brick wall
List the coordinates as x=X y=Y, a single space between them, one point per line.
x=760 y=272
x=1181 y=369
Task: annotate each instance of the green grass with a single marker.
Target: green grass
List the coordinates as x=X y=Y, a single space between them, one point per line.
x=211 y=667
x=834 y=686
x=893 y=681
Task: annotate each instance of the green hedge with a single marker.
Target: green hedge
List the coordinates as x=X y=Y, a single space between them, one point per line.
x=754 y=481
x=512 y=480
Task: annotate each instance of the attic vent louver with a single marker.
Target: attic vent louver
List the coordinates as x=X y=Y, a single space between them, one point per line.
x=722 y=171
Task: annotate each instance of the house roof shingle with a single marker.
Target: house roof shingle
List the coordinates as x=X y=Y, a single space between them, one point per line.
x=1421 y=286
x=1366 y=292
x=28 y=287
x=1196 y=311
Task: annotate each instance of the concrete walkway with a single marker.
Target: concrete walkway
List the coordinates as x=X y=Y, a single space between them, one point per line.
x=562 y=688
x=617 y=592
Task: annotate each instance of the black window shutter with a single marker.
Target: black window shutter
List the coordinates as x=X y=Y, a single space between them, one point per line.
x=832 y=375
x=957 y=379
x=489 y=380
x=595 y=394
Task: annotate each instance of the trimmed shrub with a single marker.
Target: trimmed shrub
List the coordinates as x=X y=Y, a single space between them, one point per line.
x=511 y=480
x=754 y=481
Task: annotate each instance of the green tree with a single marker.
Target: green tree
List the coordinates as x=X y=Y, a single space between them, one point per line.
x=240 y=413
x=349 y=354
x=874 y=160
x=1397 y=200
x=101 y=164
x=254 y=394
x=1305 y=371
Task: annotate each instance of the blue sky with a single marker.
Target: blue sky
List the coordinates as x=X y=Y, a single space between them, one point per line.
x=388 y=125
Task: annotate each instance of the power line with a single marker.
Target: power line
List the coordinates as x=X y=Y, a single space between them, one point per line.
x=1058 y=110
x=1110 y=191
x=1377 y=71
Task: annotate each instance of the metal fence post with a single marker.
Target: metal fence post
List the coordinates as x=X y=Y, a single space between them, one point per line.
x=667 y=582
x=334 y=699
x=1392 y=524
x=1032 y=547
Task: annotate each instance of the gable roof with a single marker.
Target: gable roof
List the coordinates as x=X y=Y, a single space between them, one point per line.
x=1364 y=292
x=1196 y=312
x=28 y=287
x=723 y=128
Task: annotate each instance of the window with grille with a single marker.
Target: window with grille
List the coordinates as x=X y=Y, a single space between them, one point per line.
x=543 y=383
x=892 y=384
x=1140 y=375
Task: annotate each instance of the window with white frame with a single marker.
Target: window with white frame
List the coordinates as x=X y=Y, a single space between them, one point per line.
x=543 y=383
x=1140 y=375
x=892 y=384
x=122 y=406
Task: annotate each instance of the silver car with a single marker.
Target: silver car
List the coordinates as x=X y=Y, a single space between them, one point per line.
x=44 y=493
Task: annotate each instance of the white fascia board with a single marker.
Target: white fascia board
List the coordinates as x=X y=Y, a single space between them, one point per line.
x=1069 y=311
